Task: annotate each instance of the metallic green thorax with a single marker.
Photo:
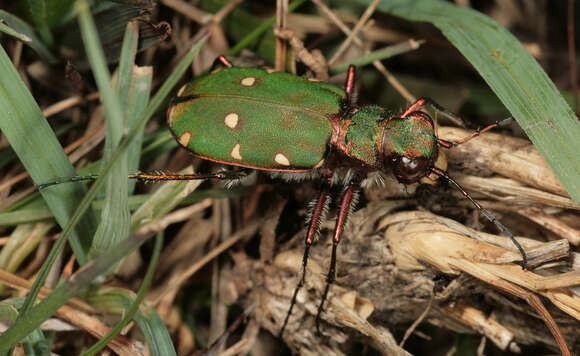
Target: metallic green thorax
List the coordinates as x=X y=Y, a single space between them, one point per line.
x=363 y=133
x=411 y=137
x=252 y=118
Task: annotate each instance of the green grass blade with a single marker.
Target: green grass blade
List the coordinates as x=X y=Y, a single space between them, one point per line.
x=117 y=300
x=24 y=28
x=377 y=55
x=12 y=32
x=38 y=11
x=34 y=344
x=126 y=62
x=514 y=76
x=140 y=92
x=134 y=305
x=24 y=216
x=114 y=224
x=30 y=136
x=133 y=88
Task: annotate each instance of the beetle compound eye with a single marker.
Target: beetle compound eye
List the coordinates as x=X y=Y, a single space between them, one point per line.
x=410 y=169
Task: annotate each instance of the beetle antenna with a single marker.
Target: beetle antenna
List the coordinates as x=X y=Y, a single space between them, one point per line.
x=157 y=176
x=484 y=211
x=449 y=144
x=67 y=180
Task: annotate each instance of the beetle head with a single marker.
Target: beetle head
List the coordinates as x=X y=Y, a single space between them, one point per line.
x=409 y=146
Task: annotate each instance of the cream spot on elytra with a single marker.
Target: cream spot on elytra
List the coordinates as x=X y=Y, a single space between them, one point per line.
x=319 y=164
x=185 y=138
x=231 y=120
x=282 y=160
x=236 y=152
x=181 y=90
x=248 y=81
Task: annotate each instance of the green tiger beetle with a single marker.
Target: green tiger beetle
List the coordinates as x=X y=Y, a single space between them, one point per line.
x=278 y=122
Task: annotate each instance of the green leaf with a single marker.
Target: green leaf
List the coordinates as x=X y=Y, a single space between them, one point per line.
x=515 y=77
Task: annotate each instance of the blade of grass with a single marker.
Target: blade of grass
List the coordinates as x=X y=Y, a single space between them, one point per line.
x=38 y=12
x=378 y=55
x=134 y=305
x=12 y=32
x=140 y=91
x=30 y=136
x=515 y=77
x=24 y=28
x=114 y=224
x=33 y=344
x=117 y=300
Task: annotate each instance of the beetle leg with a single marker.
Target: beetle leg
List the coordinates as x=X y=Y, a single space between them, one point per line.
x=421 y=102
x=315 y=221
x=349 y=84
x=221 y=61
x=345 y=207
x=414 y=107
x=157 y=177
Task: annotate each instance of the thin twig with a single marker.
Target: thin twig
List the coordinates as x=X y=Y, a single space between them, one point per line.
x=68 y=103
x=281 y=44
x=416 y=323
x=360 y=24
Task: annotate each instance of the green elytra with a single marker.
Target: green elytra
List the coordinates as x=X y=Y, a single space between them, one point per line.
x=277 y=121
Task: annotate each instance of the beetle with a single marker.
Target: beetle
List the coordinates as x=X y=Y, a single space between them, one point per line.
x=279 y=122
x=271 y=121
